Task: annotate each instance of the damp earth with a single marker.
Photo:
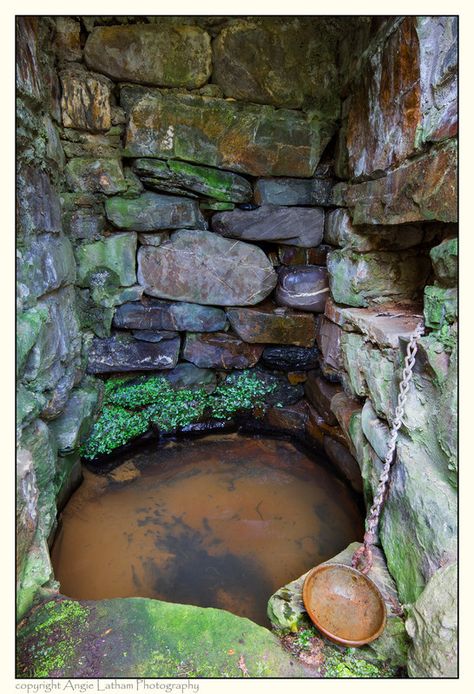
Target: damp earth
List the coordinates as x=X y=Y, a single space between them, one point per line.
x=216 y=522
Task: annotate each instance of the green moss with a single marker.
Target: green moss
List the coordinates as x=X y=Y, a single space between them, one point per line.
x=440 y=306
x=445 y=261
x=346 y=664
x=137 y=637
x=338 y=662
x=28 y=327
x=55 y=637
x=132 y=405
x=447 y=335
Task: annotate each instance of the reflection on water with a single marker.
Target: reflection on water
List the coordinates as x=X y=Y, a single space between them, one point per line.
x=218 y=522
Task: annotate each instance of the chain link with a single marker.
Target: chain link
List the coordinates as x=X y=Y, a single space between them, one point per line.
x=372 y=522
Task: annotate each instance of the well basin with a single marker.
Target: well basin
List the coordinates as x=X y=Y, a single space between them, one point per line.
x=220 y=521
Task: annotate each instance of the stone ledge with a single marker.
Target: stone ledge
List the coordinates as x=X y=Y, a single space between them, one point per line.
x=384 y=325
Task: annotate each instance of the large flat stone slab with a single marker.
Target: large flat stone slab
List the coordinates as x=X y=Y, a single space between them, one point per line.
x=293 y=191
x=204 y=268
x=387 y=97
x=433 y=626
x=152 y=212
x=438 y=38
x=274 y=326
x=304 y=288
x=339 y=231
x=178 y=56
x=124 y=353
x=151 y=314
x=364 y=279
x=44 y=263
x=421 y=189
x=39 y=207
x=138 y=637
x=384 y=325
x=407 y=92
x=246 y=138
x=295 y=226
x=181 y=177
x=220 y=351
x=284 y=64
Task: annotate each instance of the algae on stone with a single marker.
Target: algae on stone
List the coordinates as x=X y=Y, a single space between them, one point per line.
x=153 y=212
x=138 y=637
x=362 y=279
x=445 y=262
x=184 y=178
x=87 y=175
x=440 y=306
x=116 y=253
x=178 y=56
x=246 y=138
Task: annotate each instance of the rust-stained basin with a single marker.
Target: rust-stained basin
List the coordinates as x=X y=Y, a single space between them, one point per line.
x=345 y=605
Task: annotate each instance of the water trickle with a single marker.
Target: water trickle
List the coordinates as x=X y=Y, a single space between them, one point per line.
x=217 y=522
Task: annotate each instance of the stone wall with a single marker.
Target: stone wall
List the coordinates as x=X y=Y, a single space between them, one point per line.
x=50 y=357
x=397 y=150
x=208 y=194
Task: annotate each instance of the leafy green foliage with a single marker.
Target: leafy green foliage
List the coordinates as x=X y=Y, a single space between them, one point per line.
x=244 y=392
x=304 y=638
x=346 y=664
x=132 y=405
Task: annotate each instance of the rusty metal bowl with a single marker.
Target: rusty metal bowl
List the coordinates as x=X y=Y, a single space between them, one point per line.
x=345 y=605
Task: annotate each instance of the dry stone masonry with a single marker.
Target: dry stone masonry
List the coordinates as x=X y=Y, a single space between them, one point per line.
x=202 y=195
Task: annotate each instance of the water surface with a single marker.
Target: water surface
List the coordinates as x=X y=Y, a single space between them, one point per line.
x=217 y=522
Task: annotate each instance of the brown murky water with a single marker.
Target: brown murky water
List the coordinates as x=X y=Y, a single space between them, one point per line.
x=217 y=522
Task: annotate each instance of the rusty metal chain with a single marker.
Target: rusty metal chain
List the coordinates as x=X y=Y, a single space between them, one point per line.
x=365 y=551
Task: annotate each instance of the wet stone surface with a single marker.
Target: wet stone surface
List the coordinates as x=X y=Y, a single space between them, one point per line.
x=222 y=522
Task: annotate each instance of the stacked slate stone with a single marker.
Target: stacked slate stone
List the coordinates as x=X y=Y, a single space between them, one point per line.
x=225 y=208
x=197 y=220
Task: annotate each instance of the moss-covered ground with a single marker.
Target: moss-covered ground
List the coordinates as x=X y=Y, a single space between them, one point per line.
x=138 y=637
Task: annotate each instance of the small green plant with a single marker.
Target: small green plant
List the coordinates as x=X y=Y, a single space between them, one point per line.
x=304 y=638
x=132 y=405
x=346 y=664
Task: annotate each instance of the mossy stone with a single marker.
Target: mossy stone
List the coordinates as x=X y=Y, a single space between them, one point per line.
x=76 y=420
x=440 y=306
x=28 y=328
x=87 y=175
x=147 y=638
x=153 y=211
x=151 y=54
x=362 y=279
x=433 y=626
x=445 y=262
x=116 y=253
x=183 y=177
x=232 y=135
x=287 y=612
